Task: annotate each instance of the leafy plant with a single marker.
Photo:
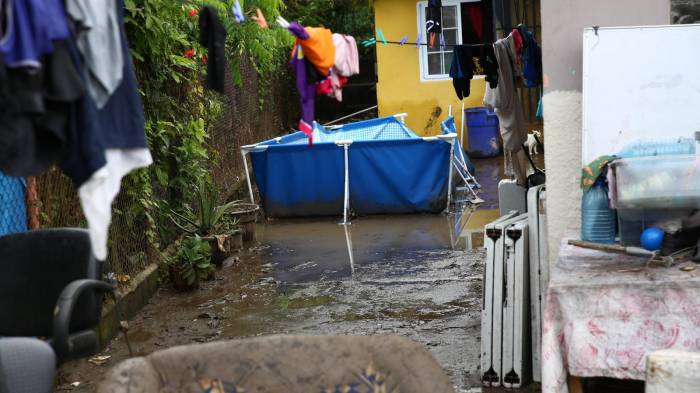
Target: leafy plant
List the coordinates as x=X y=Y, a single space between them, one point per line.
x=193 y=260
x=209 y=217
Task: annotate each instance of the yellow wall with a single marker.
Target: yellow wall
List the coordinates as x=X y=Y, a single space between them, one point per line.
x=400 y=88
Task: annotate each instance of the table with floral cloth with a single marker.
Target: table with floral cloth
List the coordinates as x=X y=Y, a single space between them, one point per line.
x=605 y=312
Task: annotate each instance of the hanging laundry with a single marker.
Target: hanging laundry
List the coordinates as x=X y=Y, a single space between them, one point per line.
x=433 y=19
x=347 y=60
x=104 y=144
x=259 y=18
x=505 y=100
x=305 y=84
x=212 y=34
x=518 y=40
x=489 y=64
x=532 y=60
x=33 y=26
x=317 y=45
x=238 y=12
x=461 y=70
x=98 y=39
x=34 y=97
x=332 y=86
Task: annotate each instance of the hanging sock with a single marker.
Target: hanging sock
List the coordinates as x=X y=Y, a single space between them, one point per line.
x=238 y=12
x=259 y=18
x=403 y=40
x=431 y=42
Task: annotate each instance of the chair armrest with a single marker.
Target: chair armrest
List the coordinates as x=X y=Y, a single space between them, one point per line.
x=64 y=308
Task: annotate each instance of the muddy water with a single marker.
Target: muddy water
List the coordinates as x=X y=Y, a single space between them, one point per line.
x=381 y=275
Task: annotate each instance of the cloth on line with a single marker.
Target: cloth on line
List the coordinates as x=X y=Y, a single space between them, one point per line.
x=104 y=143
x=32 y=27
x=99 y=42
x=212 y=34
x=305 y=84
x=317 y=44
x=33 y=112
x=504 y=98
x=461 y=70
x=433 y=20
x=532 y=61
x=347 y=60
x=489 y=64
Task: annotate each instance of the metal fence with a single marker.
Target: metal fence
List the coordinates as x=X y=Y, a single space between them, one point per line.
x=247 y=116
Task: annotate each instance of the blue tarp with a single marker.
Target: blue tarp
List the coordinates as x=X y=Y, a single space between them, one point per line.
x=392 y=170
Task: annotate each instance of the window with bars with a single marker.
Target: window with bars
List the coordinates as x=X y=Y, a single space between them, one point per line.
x=462 y=23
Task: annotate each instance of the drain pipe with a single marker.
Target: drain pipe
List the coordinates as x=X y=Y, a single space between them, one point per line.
x=346 y=206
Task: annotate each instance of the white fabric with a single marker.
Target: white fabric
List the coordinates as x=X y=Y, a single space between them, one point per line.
x=98 y=193
x=99 y=42
x=347 y=60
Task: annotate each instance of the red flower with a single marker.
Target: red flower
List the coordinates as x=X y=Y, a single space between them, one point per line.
x=204 y=59
x=193 y=12
x=188 y=53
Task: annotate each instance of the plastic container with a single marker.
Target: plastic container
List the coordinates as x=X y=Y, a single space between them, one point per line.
x=658 y=182
x=660 y=147
x=482 y=128
x=597 y=219
x=632 y=222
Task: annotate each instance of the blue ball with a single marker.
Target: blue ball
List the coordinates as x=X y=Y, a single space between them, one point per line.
x=652 y=239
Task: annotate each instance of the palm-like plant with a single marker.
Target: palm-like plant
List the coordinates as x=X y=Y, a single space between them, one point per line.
x=209 y=217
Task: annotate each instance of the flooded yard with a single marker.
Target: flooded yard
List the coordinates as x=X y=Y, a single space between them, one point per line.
x=406 y=275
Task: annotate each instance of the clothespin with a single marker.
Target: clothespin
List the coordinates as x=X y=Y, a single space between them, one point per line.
x=282 y=22
x=238 y=12
x=442 y=41
x=380 y=33
x=418 y=40
x=259 y=18
x=369 y=42
x=403 y=40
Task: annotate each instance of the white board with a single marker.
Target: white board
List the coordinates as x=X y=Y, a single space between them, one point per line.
x=639 y=83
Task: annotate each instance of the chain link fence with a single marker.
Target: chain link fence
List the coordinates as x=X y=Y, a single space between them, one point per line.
x=255 y=111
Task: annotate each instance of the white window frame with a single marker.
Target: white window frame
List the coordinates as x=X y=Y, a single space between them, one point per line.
x=423 y=49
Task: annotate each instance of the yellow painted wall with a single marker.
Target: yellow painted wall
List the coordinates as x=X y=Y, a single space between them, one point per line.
x=399 y=88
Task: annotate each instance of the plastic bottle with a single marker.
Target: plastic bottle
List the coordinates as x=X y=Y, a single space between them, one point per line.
x=597 y=219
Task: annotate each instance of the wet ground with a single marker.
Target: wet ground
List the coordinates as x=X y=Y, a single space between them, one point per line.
x=417 y=276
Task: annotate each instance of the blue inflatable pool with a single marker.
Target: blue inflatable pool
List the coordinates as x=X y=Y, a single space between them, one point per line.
x=389 y=169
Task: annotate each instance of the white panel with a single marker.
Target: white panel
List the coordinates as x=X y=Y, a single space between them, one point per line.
x=639 y=83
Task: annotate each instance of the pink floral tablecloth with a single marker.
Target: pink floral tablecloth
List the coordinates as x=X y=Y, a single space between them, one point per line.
x=605 y=312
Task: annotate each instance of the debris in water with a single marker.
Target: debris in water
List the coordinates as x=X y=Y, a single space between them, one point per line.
x=98 y=361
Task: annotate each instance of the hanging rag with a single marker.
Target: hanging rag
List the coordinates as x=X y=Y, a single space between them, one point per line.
x=505 y=101
x=461 y=70
x=317 y=45
x=305 y=83
x=33 y=100
x=347 y=60
x=489 y=64
x=433 y=19
x=332 y=86
x=212 y=34
x=504 y=98
x=99 y=42
x=591 y=172
x=32 y=27
x=104 y=144
x=532 y=61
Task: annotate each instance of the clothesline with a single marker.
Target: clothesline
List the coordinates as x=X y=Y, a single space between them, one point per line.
x=427 y=44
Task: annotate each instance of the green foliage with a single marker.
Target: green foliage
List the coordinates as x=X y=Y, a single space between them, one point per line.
x=208 y=218
x=193 y=260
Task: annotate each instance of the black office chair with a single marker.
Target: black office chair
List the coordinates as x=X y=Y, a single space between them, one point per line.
x=50 y=288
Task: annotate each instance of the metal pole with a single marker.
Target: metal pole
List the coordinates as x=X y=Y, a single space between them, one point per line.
x=350 y=115
x=346 y=203
x=348 y=241
x=449 y=181
x=247 y=175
